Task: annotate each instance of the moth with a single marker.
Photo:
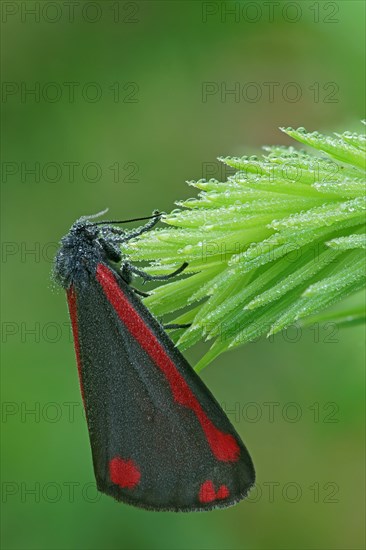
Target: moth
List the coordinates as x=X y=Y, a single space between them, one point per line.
x=159 y=439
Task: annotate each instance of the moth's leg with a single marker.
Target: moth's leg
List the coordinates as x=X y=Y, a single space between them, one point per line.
x=126 y=275
x=112 y=251
x=147 y=277
x=127 y=270
x=140 y=292
x=140 y=230
x=176 y=326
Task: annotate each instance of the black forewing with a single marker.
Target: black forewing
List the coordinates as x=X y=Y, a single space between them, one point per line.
x=132 y=414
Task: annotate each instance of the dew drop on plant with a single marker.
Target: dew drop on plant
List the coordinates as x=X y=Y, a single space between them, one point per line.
x=190 y=200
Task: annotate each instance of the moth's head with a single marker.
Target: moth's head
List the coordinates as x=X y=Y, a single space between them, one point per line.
x=83 y=230
x=80 y=250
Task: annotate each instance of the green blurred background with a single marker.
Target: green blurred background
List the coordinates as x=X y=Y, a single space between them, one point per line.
x=298 y=400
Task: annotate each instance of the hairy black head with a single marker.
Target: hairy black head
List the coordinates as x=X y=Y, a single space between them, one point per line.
x=84 y=246
x=89 y=243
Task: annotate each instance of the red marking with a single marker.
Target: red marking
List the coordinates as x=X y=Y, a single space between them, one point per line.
x=223 y=446
x=124 y=473
x=71 y=299
x=208 y=494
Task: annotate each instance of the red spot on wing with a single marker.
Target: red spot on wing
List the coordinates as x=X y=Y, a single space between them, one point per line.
x=207 y=492
x=71 y=300
x=124 y=473
x=223 y=446
x=223 y=492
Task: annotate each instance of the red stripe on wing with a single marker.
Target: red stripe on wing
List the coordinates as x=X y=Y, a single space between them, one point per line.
x=223 y=446
x=71 y=300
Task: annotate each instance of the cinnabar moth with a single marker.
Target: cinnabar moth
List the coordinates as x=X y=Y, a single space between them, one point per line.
x=159 y=439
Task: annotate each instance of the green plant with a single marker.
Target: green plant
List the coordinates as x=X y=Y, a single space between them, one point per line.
x=281 y=240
